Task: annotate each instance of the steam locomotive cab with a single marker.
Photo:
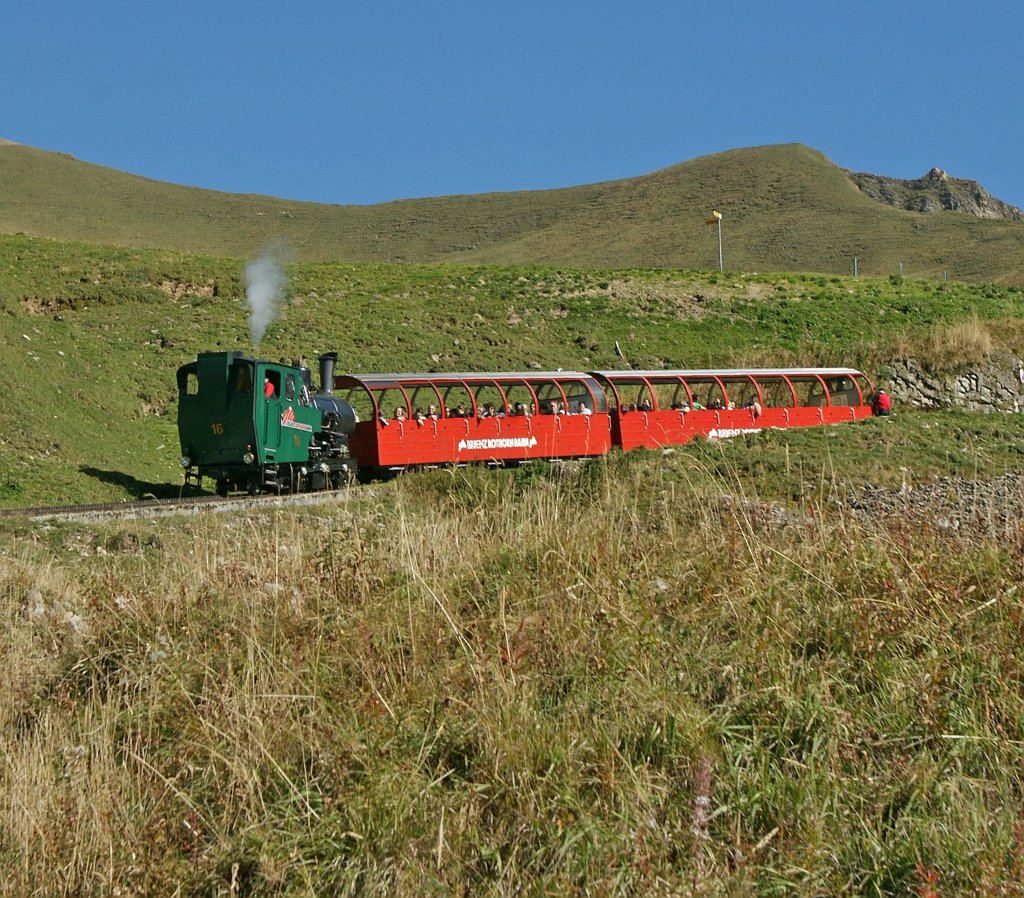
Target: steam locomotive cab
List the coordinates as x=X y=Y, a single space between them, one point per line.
x=255 y=425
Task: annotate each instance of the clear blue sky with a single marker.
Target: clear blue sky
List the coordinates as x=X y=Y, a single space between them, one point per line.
x=346 y=102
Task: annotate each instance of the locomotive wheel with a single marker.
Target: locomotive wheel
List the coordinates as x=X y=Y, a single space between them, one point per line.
x=222 y=488
x=253 y=487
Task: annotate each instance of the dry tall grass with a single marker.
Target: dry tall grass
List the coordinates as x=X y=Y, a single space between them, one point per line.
x=612 y=679
x=955 y=346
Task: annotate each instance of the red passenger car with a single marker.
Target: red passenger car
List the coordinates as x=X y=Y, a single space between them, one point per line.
x=668 y=408
x=434 y=419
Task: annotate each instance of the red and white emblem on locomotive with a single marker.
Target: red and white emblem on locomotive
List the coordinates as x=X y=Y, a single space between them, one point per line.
x=288 y=420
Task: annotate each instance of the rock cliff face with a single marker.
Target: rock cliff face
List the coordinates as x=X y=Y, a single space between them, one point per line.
x=935 y=192
x=996 y=386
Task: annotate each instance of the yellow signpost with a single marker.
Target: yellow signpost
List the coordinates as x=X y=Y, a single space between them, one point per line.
x=716 y=219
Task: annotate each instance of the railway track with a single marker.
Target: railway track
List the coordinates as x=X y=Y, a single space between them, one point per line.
x=152 y=508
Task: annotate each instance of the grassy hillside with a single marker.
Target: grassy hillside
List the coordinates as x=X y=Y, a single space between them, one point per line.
x=613 y=681
x=94 y=335
x=697 y=672
x=786 y=208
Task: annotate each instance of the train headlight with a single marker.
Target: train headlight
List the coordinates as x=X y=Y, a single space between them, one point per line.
x=186 y=462
x=248 y=458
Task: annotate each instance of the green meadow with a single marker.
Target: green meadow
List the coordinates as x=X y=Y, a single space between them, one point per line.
x=94 y=336
x=698 y=672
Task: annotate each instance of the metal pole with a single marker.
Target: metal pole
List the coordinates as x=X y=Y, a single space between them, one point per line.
x=721 y=264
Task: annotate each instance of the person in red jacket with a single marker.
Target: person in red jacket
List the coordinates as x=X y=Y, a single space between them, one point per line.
x=882 y=404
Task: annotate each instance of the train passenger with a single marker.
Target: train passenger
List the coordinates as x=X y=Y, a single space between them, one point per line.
x=432 y=412
x=418 y=416
x=646 y=405
x=882 y=405
x=583 y=408
x=696 y=405
x=400 y=413
x=268 y=388
x=518 y=410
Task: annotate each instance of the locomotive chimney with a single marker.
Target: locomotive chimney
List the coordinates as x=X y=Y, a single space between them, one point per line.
x=327 y=363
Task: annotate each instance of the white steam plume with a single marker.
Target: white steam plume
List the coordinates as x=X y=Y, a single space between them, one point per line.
x=265 y=281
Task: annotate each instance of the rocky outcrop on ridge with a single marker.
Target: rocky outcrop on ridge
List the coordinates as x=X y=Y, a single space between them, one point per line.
x=935 y=192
